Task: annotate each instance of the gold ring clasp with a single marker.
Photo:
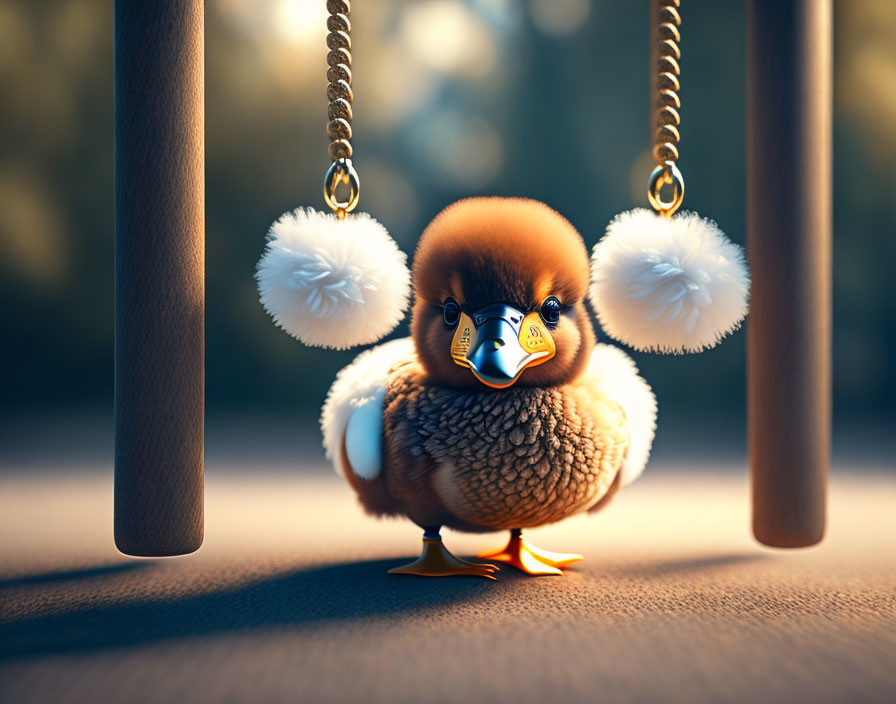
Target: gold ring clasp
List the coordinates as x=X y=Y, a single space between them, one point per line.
x=340 y=173
x=665 y=175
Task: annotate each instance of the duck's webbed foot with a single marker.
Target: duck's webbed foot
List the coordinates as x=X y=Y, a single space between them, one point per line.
x=437 y=561
x=532 y=560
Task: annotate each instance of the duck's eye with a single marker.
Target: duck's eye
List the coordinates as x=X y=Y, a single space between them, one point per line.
x=450 y=312
x=551 y=310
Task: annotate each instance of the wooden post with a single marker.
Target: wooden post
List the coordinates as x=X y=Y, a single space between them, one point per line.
x=789 y=249
x=159 y=276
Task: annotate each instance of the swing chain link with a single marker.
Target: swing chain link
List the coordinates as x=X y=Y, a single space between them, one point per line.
x=665 y=149
x=339 y=110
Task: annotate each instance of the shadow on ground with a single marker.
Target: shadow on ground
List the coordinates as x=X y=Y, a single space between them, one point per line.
x=348 y=591
x=337 y=592
x=75 y=575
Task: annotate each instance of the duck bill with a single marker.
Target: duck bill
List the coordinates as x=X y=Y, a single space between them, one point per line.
x=499 y=342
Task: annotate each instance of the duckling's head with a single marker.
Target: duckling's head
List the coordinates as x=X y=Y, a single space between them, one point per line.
x=499 y=290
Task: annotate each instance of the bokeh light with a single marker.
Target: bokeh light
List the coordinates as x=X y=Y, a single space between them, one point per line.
x=299 y=21
x=34 y=244
x=463 y=151
x=866 y=74
x=448 y=37
x=559 y=18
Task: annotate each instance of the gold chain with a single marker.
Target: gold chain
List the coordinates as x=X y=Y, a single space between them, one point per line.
x=339 y=110
x=339 y=91
x=668 y=103
x=665 y=149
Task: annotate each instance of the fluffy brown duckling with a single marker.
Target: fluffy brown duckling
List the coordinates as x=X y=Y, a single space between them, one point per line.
x=499 y=412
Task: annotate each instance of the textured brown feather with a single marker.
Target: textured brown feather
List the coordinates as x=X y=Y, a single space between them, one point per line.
x=488 y=460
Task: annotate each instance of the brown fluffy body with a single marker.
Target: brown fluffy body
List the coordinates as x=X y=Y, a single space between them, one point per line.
x=460 y=454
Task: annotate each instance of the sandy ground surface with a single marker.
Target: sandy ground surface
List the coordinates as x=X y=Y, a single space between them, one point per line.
x=289 y=601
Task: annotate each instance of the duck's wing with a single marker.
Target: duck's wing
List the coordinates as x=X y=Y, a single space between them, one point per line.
x=354 y=408
x=614 y=373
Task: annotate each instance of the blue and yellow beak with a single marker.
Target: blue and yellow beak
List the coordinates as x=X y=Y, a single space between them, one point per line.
x=499 y=342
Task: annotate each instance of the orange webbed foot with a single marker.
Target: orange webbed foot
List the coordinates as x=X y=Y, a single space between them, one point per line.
x=437 y=561
x=529 y=559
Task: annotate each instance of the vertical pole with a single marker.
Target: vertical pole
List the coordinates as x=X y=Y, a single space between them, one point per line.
x=789 y=248
x=159 y=276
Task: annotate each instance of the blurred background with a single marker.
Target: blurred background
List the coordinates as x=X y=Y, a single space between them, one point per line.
x=540 y=98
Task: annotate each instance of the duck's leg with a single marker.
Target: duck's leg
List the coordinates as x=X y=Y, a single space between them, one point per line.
x=520 y=553
x=436 y=561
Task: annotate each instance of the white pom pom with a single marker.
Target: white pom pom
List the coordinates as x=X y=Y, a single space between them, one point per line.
x=616 y=374
x=331 y=282
x=668 y=284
